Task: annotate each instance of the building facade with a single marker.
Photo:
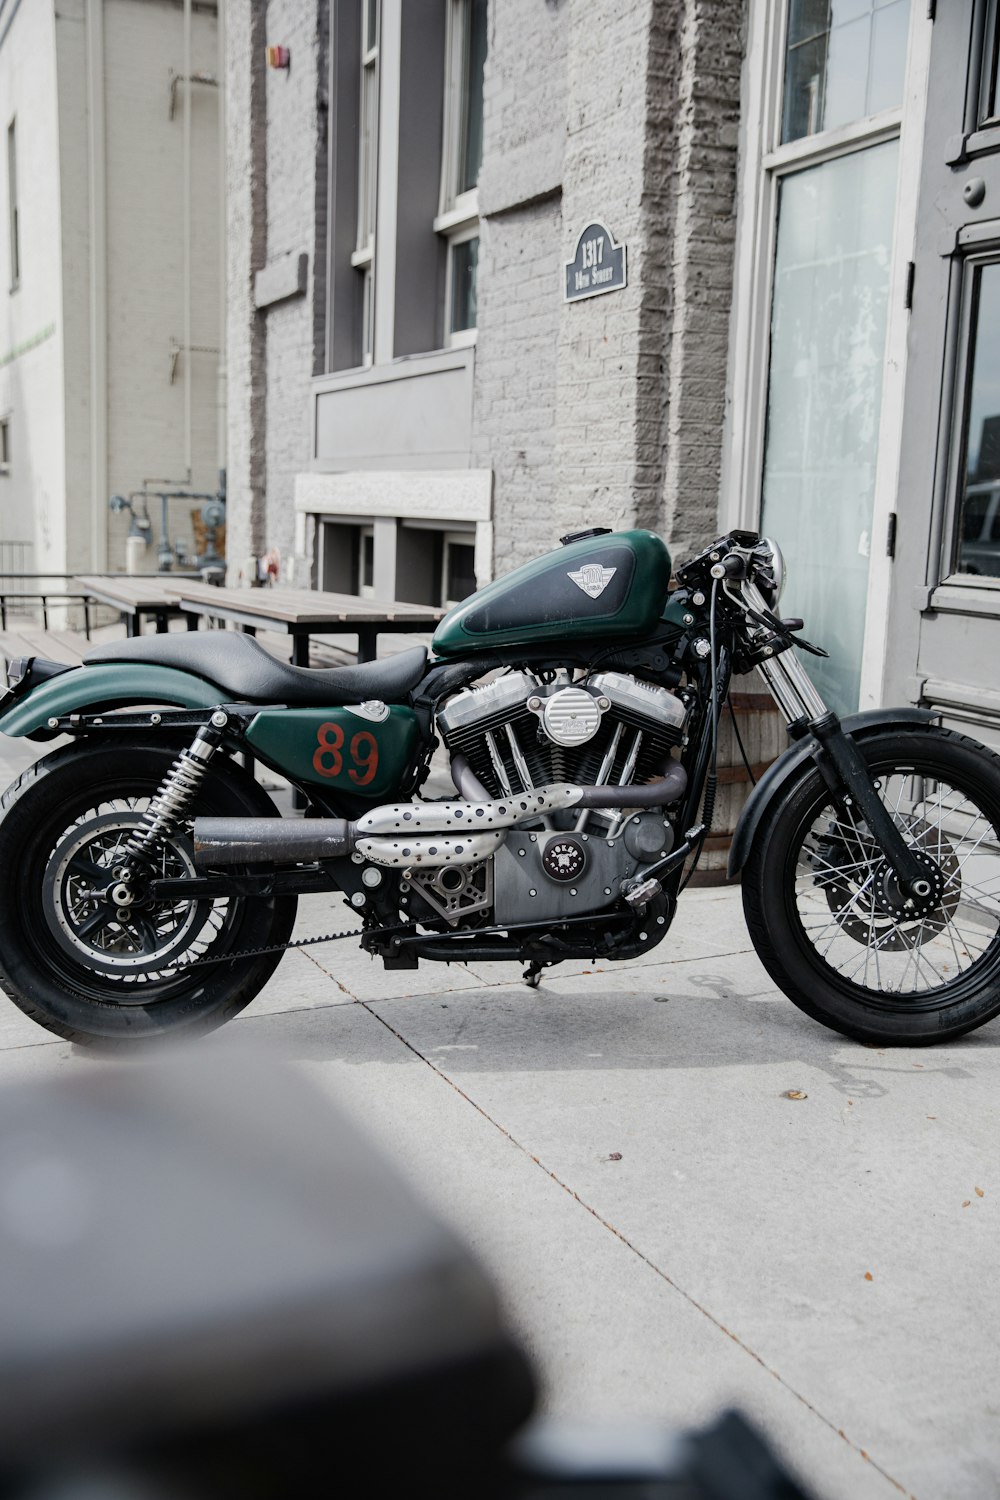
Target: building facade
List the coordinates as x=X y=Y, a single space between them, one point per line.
x=806 y=197
x=413 y=404
x=110 y=274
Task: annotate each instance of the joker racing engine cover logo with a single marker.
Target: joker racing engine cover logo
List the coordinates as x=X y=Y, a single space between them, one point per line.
x=564 y=859
x=593 y=578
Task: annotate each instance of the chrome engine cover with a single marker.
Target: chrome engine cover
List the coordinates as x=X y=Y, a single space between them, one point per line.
x=571 y=715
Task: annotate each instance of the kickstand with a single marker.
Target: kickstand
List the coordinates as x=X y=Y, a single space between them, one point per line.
x=533 y=974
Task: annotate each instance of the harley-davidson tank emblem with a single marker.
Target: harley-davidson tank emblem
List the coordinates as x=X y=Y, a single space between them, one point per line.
x=593 y=578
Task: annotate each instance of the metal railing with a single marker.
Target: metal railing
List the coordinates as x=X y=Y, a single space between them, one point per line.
x=27 y=596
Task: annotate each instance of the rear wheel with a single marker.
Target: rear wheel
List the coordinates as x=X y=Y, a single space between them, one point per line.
x=828 y=919
x=95 y=970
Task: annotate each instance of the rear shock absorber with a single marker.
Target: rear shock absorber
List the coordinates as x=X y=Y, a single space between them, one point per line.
x=177 y=791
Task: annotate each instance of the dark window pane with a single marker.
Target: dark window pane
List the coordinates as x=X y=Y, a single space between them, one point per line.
x=807 y=18
x=976 y=506
x=472 y=123
x=978 y=550
x=372 y=27
x=464 y=264
x=844 y=61
x=460 y=571
x=991 y=67
x=805 y=75
x=367 y=560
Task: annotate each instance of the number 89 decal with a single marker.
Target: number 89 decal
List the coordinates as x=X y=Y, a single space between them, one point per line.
x=328 y=757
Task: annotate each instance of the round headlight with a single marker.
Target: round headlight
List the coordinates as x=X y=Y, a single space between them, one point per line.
x=776 y=567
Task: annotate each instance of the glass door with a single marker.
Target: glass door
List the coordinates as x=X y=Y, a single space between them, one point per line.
x=830 y=183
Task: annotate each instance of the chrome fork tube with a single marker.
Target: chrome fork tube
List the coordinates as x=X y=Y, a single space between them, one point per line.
x=787 y=679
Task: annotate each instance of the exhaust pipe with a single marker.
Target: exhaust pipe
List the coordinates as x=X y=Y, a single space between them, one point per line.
x=411 y=834
x=663 y=792
x=272 y=841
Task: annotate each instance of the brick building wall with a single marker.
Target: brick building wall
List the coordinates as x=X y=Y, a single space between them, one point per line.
x=246 y=252
x=606 y=411
x=276 y=154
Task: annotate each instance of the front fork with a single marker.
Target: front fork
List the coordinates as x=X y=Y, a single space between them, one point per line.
x=846 y=770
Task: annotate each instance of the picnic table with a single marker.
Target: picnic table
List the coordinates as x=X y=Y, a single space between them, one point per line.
x=137 y=598
x=303 y=613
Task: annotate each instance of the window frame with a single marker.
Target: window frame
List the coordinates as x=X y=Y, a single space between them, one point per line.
x=457 y=338
x=363 y=254
x=5 y=445
x=457 y=219
x=985 y=253
x=764 y=161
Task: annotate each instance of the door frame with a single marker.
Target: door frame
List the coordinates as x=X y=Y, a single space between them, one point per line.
x=762 y=164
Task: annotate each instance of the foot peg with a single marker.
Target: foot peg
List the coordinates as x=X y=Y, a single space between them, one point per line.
x=640 y=896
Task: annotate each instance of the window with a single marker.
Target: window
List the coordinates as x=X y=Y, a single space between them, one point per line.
x=458 y=218
x=365 y=567
x=989 y=103
x=844 y=61
x=4 y=445
x=12 y=209
x=458 y=568
x=978 y=542
x=363 y=258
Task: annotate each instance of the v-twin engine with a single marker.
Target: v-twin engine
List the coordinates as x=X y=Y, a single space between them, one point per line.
x=523 y=732
x=520 y=732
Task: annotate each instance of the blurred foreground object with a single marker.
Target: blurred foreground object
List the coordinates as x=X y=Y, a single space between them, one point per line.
x=215 y=1287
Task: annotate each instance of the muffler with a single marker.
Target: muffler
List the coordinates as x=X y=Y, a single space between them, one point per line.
x=411 y=834
x=428 y=834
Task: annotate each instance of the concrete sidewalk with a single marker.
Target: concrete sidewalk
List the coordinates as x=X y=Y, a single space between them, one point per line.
x=670 y=1231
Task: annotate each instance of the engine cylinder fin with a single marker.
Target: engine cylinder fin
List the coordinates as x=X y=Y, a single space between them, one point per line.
x=498 y=765
x=520 y=764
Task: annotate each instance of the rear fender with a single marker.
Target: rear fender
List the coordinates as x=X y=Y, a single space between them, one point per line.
x=114 y=685
x=789 y=766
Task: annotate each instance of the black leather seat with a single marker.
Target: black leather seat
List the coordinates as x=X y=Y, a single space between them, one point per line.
x=245 y=672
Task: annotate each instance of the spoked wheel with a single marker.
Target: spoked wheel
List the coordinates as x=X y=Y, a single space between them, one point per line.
x=831 y=923
x=88 y=948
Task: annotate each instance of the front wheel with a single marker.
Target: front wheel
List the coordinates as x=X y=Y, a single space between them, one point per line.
x=827 y=917
x=96 y=973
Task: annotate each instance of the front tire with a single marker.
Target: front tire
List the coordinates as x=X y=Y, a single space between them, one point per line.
x=826 y=917
x=118 y=980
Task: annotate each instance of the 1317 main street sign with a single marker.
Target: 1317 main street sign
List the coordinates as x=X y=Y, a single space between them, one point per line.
x=598 y=265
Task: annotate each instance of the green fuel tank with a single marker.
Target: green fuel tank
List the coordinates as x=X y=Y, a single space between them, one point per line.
x=609 y=586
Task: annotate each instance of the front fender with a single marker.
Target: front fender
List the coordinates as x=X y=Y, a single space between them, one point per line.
x=105 y=686
x=787 y=767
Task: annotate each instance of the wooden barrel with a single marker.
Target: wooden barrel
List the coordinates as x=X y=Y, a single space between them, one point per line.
x=764 y=738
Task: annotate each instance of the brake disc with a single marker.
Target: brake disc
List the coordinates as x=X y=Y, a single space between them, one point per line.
x=875 y=916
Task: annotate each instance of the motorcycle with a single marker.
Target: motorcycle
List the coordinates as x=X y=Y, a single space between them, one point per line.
x=148 y=886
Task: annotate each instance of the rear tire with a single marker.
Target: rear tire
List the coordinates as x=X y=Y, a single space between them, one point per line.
x=70 y=806
x=820 y=907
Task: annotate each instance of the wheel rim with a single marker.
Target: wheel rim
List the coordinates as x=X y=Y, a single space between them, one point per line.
x=850 y=916
x=138 y=954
